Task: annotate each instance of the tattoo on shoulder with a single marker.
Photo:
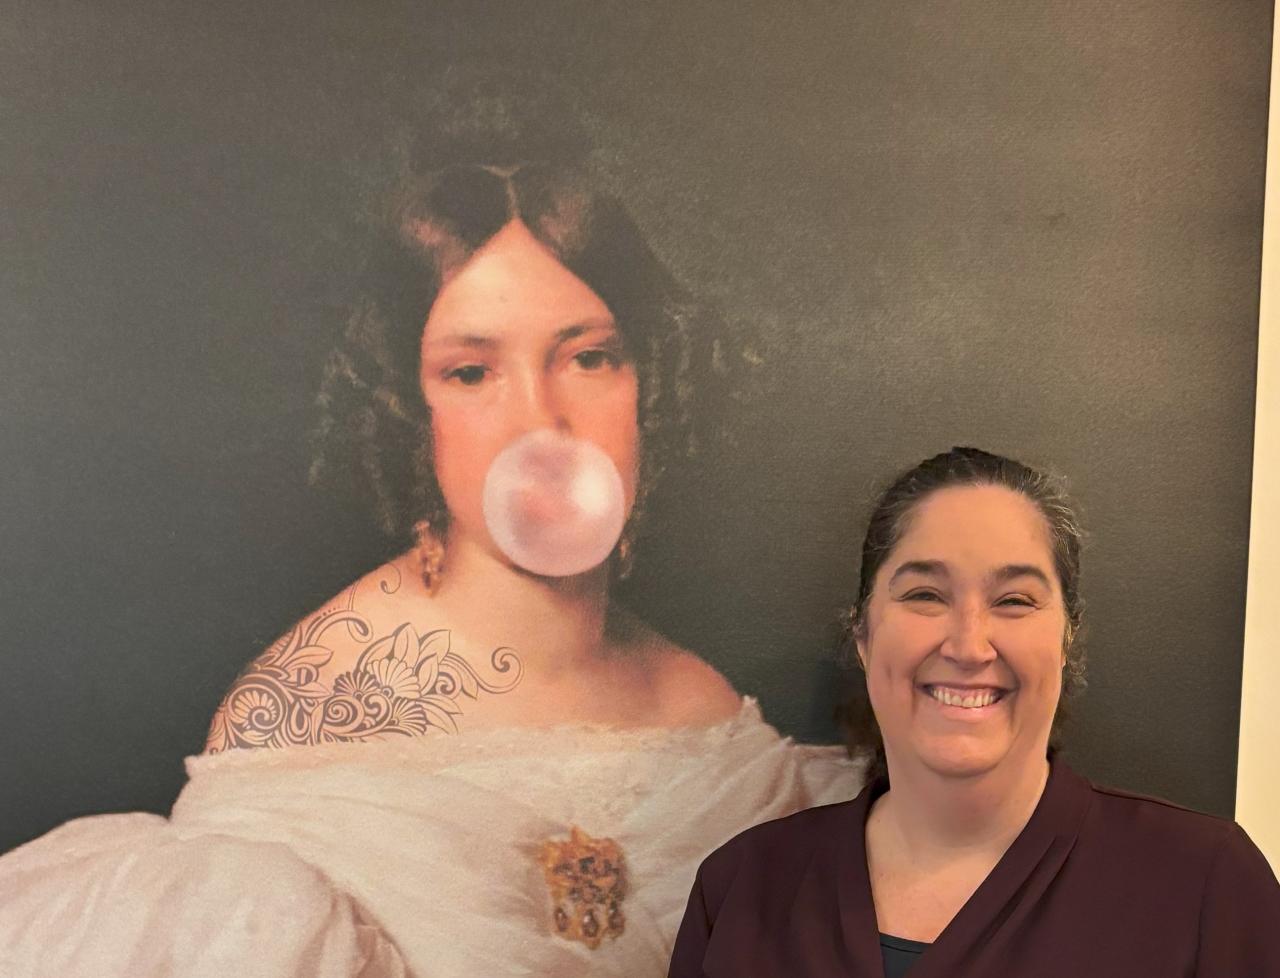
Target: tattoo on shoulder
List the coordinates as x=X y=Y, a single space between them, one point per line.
x=402 y=683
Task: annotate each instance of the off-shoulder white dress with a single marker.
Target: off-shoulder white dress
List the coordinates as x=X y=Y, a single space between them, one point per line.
x=415 y=856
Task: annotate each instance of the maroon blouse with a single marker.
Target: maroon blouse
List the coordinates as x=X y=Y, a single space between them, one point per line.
x=1099 y=883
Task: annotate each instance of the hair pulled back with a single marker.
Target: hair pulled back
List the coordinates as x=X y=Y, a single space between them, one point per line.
x=889 y=522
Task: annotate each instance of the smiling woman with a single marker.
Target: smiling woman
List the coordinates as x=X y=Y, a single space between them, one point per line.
x=933 y=625
x=975 y=850
x=992 y=506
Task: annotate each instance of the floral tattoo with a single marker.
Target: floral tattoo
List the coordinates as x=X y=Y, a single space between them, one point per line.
x=402 y=683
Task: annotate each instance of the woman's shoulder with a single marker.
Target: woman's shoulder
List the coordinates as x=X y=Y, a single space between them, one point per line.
x=691 y=691
x=695 y=693
x=782 y=843
x=1157 y=822
x=768 y=861
x=1161 y=852
x=1146 y=836
x=307 y=670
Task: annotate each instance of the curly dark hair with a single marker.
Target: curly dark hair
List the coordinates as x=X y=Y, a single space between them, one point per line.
x=888 y=523
x=375 y=425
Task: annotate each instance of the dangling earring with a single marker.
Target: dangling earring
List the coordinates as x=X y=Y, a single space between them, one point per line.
x=430 y=554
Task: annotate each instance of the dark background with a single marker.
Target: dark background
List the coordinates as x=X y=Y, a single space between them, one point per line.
x=1031 y=227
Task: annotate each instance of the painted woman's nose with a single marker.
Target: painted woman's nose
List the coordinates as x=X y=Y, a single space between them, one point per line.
x=538 y=405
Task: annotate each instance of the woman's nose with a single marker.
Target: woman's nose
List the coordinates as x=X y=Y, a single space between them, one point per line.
x=537 y=404
x=968 y=640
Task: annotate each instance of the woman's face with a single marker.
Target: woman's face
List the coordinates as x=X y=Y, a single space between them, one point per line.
x=965 y=635
x=516 y=342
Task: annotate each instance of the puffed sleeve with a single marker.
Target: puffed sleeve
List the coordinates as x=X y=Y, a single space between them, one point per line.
x=1240 y=913
x=695 y=931
x=117 y=896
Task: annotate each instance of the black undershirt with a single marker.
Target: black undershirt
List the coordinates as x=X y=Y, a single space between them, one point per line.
x=899 y=955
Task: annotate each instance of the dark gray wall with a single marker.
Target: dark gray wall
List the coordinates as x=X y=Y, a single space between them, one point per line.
x=1032 y=227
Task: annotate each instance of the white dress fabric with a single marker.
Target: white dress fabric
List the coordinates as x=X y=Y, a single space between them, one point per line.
x=410 y=857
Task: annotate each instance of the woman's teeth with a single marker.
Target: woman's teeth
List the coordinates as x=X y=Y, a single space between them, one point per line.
x=970 y=700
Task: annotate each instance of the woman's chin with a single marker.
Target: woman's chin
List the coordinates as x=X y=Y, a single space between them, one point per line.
x=963 y=757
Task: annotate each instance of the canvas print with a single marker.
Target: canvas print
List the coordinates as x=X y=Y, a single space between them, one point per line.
x=440 y=441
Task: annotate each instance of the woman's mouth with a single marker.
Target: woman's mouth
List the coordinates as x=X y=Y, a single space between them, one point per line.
x=965 y=698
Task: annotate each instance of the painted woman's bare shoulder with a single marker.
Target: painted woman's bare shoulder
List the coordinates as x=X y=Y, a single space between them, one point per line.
x=697 y=694
x=693 y=692
x=350 y=670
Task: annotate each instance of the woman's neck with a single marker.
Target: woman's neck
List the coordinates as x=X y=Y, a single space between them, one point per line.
x=936 y=818
x=554 y=625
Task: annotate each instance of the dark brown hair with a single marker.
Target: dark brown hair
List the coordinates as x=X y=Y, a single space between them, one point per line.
x=889 y=521
x=375 y=426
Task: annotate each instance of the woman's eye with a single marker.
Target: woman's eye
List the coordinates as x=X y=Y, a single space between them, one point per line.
x=922 y=596
x=595 y=359
x=1015 y=601
x=469 y=375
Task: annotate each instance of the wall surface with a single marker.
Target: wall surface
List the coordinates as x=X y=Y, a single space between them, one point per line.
x=1030 y=227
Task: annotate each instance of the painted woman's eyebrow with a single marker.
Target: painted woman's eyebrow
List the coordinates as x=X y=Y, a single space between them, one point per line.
x=469 y=341
x=578 y=329
x=473 y=341
x=606 y=328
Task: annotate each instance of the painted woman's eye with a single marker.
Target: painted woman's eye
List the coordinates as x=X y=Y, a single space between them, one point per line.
x=469 y=375
x=595 y=359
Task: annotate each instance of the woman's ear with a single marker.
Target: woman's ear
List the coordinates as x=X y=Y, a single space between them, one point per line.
x=853 y=637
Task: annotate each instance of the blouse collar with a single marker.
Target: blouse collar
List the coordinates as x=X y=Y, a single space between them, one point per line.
x=1023 y=873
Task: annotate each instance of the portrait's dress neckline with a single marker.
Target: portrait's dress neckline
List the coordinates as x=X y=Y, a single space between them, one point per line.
x=443 y=748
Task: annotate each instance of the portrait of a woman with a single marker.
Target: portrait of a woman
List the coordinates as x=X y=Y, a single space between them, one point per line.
x=473 y=760
x=546 y=312
x=975 y=849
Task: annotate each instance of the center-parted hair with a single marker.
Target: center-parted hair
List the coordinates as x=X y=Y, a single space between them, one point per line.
x=444 y=205
x=889 y=522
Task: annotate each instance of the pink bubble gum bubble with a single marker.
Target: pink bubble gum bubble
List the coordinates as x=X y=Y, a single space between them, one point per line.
x=554 y=504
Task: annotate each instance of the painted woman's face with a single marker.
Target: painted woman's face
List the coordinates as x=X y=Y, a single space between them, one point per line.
x=513 y=343
x=965 y=635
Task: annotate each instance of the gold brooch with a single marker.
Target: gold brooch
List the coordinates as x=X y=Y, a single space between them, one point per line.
x=587 y=878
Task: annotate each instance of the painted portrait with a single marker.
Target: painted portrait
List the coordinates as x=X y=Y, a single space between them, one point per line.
x=442 y=439
x=510 y=389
